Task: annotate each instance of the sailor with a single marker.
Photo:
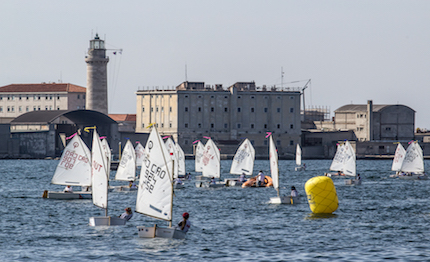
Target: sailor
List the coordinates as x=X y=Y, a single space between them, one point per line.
x=242 y=178
x=131 y=184
x=127 y=214
x=213 y=180
x=358 y=177
x=178 y=181
x=68 y=189
x=260 y=178
x=294 y=192
x=185 y=224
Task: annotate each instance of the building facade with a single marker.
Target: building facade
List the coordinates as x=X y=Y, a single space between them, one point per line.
x=194 y=110
x=17 y=99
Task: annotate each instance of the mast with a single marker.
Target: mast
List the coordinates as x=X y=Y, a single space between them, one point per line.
x=171 y=205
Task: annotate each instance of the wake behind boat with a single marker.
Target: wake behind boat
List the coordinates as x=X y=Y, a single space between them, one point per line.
x=74 y=169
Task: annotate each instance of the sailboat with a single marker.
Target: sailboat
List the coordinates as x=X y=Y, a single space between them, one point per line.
x=100 y=183
x=172 y=148
x=399 y=155
x=126 y=168
x=274 y=171
x=211 y=165
x=413 y=163
x=155 y=193
x=243 y=163
x=299 y=166
x=349 y=166
x=74 y=169
x=140 y=153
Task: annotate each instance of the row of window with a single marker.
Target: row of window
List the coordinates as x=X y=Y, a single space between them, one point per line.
x=199 y=125
x=11 y=109
x=35 y=97
x=239 y=97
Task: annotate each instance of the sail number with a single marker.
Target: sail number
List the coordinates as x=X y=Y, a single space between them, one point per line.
x=69 y=159
x=152 y=173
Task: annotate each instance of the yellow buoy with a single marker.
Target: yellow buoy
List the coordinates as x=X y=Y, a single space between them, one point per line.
x=322 y=195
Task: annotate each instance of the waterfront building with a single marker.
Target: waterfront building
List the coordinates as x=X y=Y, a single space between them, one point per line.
x=374 y=122
x=17 y=99
x=194 y=110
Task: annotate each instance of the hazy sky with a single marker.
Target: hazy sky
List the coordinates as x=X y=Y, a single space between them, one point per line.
x=352 y=51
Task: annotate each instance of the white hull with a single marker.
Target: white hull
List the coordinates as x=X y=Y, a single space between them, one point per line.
x=232 y=182
x=65 y=196
x=353 y=182
x=204 y=178
x=334 y=175
x=208 y=184
x=106 y=221
x=121 y=188
x=284 y=200
x=299 y=168
x=414 y=177
x=163 y=232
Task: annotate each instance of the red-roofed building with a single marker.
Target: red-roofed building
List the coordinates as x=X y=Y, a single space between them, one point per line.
x=17 y=99
x=126 y=122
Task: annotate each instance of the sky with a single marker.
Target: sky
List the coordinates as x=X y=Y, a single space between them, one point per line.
x=352 y=51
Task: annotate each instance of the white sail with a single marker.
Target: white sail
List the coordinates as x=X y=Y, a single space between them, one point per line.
x=99 y=173
x=211 y=160
x=199 y=156
x=413 y=161
x=74 y=167
x=349 y=165
x=337 y=164
x=181 y=160
x=399 y=155
x=140 y=153
x=155 y=193
x=243 y=160
x=108 y=153
x=127 y=166
x=298 y=155
x=171 y=147
x=273 y=157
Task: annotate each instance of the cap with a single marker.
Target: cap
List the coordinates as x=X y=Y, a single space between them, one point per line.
x=185 y=215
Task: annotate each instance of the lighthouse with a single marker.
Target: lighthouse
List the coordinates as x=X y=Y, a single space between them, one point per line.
x=97 y=93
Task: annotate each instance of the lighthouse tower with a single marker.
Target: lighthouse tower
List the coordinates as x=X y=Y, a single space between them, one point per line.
x=97 y=93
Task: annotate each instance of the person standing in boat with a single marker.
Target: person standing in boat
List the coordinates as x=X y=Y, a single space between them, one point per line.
x=127 y=214
x=260 y=178
x=185 y=224
x=68 y=189
x=294 y=192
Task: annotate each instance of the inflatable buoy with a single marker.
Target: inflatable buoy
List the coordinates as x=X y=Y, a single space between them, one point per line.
x=322 y=195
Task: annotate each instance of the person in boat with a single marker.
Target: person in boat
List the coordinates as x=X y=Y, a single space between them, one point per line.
x=187 y=176
x=340 y=173
x=127 y=214
x=185 y=224
x=260 y=178
x=304 y=166
x=131 y=184
x=178 y=181
x=86 y=188
x=213 y=181
x=68 y=189
x=358 y=177
x=242 y=178
x=294 y=192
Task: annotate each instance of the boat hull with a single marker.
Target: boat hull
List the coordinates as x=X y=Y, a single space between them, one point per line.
x=121 y=188
x=232 y=182
x=299 y=168
x=210 y=185
x=352 y=182
x=66 y=196
x=106 y=221
x=162 y=232
x=284 y=200
x=414 y=177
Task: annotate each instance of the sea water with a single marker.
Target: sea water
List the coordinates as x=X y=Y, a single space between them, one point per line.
x=384 y=218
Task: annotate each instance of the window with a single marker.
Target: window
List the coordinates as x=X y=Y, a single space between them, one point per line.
x=238 y=125
x=239 y=97
x=199 y=109
x=291 y=143
x=199 y=125
x=212 y=109
x=186 y=109
x=265 y=110
x=38 y=108
x=265 y=125
x=34 y=108
x=252 y=125
x=27 y=109
x=199 y=96
x=19 y=97
x=152 y=109
x=162 y=124
x=38 y=97
x=1 y=97
x=291 y=126
x=225 y=109
x=252 y=97
x=278 y=126
x=46 y=108
x=265 y=142
x=278 y=110
x=186 y=125
x=13 y=109
x=79 y=96
x=156 y=109
x=291 y=97
x=212 y=96
x=278 y=142
x=186 y=96
x=162 y=109
x=143 y=109
x=170 y=125
x=58 y=97
x=8 y=108
x=238 y=109
x=252 y=110
x=225 y=96
x=212 y=125
x=170 y=109
x=292 y=110
x=28 y=97
x=1 y=109
x=58 y=108
x=20 y=109
x=225 y=125
x=83 y=97
x=388 y=128
x=143 y=125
